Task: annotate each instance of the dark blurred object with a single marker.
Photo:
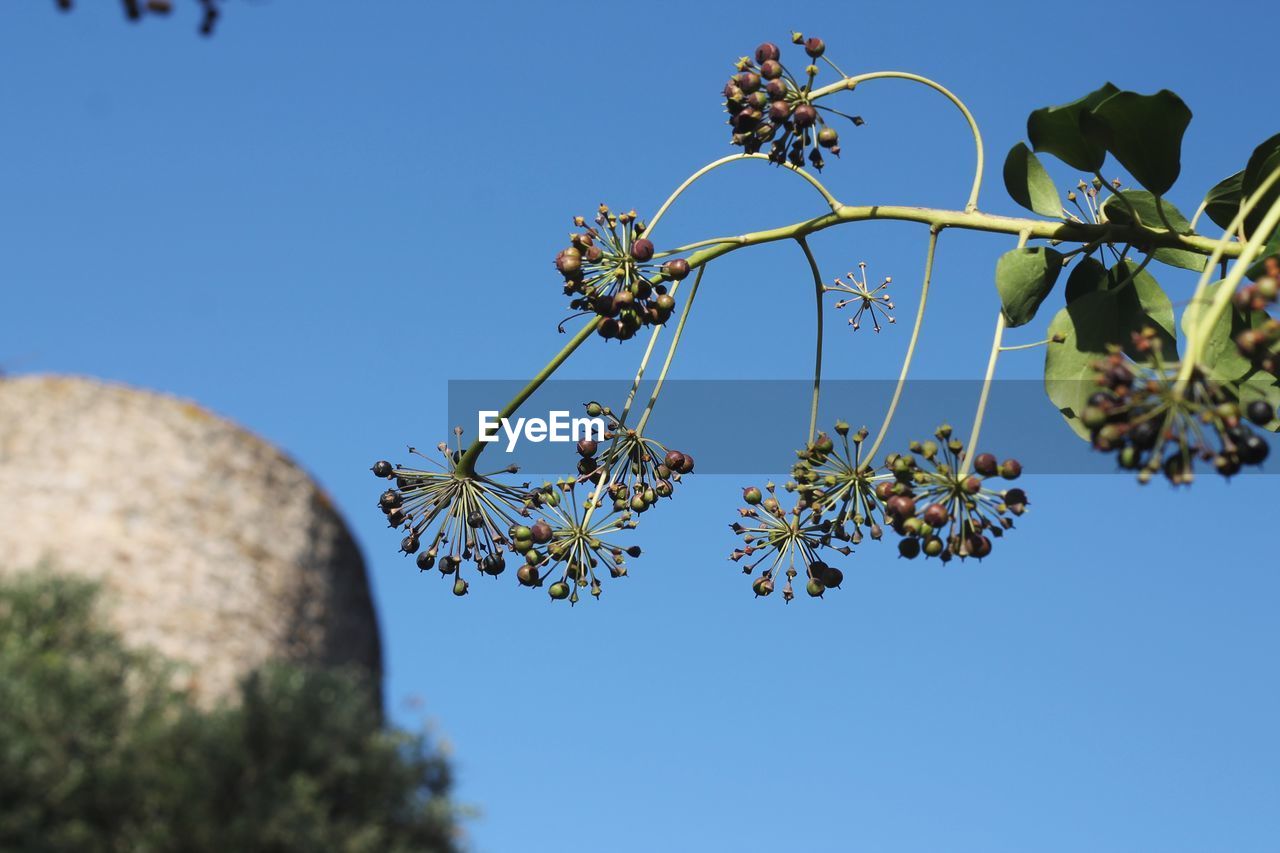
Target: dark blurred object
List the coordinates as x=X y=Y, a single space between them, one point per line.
x=134 y=11
x=101 y=754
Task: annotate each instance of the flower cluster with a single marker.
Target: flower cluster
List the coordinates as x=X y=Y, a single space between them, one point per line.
x=933 y=503
x=1156 y=424
x=768 y=105
x=609 y=270
x=943 y=510
x=874 y=302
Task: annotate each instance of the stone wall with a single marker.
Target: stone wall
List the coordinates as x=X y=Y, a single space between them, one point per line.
x=211 y=545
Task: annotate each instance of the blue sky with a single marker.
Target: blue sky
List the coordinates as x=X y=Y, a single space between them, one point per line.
x=313 y=221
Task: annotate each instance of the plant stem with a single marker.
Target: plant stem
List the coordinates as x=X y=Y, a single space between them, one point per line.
x=850 y=83
x=671 y=352
x=733 y=158
x=997 y=340
x=911 y=343
x=817 y=357
x=467 y=464
x=644 y=363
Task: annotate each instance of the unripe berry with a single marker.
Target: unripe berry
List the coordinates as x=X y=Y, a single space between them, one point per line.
x=459 y=587
x=752 y=495
x=762 y=586
x=804 y=116
x=1011 y=469
x=559 y=591
x=771 y=69
x=815 y=588
x=541 y=532
x=828 y=138
x=985 y=464
x=527 y=575
x=674 y=460
x=779 y=110
x=767 y=52
x=642 y=250
x=748 y=81
x=676 y=268
x=935 y=515
x=815 y=47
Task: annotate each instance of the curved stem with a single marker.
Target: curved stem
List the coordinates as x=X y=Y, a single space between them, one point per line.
x=997 y=340
x=817 y=357
x=671 y=352
x=850 y=83
x=732 y=158
x=467 y=464
x=911 y=343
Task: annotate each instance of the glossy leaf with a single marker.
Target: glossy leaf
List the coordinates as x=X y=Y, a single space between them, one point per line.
x=1024 y=278
x=1056 y=130
x=1264 y=161
x=1087 y=276
x=1147 y=207
x=1085 y=326
x=1222 y=203
x=1143 y=132
x=1029 y=184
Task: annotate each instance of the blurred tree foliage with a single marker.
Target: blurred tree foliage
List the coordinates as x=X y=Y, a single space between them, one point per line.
x=98 y=752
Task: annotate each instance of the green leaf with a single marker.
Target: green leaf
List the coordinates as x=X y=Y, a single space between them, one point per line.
x=1222 y=203
x=1220 y=355
x=1147 y=207
x=1264 y=161
x=1056 y=130
x=1024 y=278
x=1029 y=184
x=1143 y=132
x=1092 y=321
x=1088 y=275
x=1086 y=326
x=1141 y=303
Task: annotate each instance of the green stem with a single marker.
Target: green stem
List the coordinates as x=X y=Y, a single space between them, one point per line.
x=467 y=465
x=817 y=357
x=671 y=352
x=1226 y=288
x=911 y=343
x=997 y=340
x=733 y=158
x=850 y=83
x=644 y=363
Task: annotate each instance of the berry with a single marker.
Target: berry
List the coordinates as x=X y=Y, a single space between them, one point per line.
x=674 y=460
x=494 y=564
x=459 y=587
x=1011 y=469
x=541 y=532
x=779 y=110
x=1253 y=449
x=909 y=548
x=752 y=495
x=815 y=588
x=587 y=447
x=935 y=515
x=594 y=409
x=804 y=116
x=527 y=575
x=559 y=591
x=426 y=560
x=389 y=500
x=815 y=47
x=985 y=464
x=762 y=586
x=1259 y=411
x=642 y=250
x=382 y=468
x=475 y=518
x=409 y=544
x=676 y=268
x=828 y=138
x=767 y=52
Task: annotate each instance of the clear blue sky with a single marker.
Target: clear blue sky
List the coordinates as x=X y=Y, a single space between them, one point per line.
x=312 y=221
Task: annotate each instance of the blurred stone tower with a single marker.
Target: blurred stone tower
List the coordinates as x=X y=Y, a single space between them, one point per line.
x=211 y=545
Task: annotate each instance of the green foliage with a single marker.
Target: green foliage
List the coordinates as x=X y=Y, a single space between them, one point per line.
x=1024 y=278
x=1156 y=213
x=1264 y=160
x=1143 y=132
x=1056 y=130
x=99 y=753
x=1029 y=184
x=1222 y=202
